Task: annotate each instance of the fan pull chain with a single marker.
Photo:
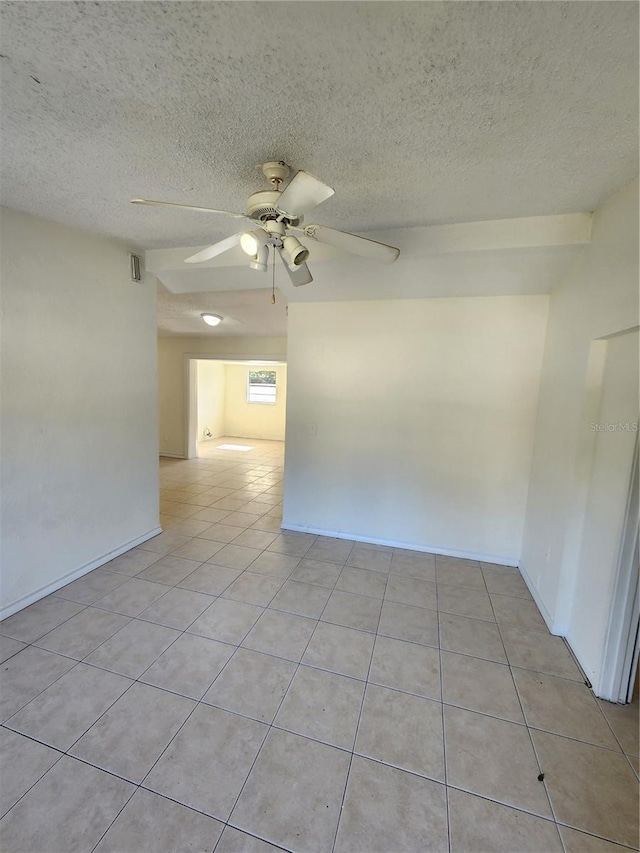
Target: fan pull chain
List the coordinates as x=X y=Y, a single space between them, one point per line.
x=273 y=279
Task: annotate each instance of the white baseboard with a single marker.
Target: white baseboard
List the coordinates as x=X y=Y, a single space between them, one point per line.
x=172 y=455
x=26 y=600
x=408 y=546
x=586 y=670
x=557 y=630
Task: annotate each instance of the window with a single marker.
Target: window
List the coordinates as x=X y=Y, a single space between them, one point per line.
x=262 y=386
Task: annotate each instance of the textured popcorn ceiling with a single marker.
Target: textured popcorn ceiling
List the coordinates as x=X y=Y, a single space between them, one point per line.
x=245 y=313
x=416 y=113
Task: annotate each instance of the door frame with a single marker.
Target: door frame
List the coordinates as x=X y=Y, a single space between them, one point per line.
x=620 y=659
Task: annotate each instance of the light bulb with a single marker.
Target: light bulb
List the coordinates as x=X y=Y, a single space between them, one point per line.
x=251 y=241
x=249 y=244
x=211 y=319
x=296 y=252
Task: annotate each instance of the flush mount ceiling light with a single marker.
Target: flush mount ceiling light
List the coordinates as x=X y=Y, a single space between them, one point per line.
x=211 y=319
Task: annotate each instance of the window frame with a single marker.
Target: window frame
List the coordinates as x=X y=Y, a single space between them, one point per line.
x=253 y=386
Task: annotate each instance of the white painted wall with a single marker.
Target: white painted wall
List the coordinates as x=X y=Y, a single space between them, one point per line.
x=211 y=386
x=598 y=299
x=424 y=414
x=79 y=429
x=254 y=420
x=172 y=377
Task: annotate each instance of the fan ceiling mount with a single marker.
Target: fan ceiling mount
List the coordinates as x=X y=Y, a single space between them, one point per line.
x=278 y=212
x=263 y=205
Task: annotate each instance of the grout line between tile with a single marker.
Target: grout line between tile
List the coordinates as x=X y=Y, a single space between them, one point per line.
x=133 y=793
x=444 y=727
x=76 y=662
x=533 y=746
x=357 y=729
x=64 y=621
x=28 y=737
x=549 y=819
x=270 y=726
x=593 y=835
x=612 y=730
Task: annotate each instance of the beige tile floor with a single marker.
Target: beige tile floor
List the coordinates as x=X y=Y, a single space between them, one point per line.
x=227 y=686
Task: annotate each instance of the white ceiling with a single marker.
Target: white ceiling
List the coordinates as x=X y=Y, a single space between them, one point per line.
x=415 y=112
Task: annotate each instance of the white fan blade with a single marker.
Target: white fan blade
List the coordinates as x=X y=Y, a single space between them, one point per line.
x=302 y=194
x=300 y=276
x=352 y=243
x=215 y=249
x=151 y=203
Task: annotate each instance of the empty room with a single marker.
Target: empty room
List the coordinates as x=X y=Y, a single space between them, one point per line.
x=319 y=426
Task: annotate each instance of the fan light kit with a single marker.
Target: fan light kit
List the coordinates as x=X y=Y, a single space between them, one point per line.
x=251 y=241
x=277 y=213
x=211 y=319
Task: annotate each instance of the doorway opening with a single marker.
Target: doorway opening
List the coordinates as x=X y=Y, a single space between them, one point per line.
x=236 y=408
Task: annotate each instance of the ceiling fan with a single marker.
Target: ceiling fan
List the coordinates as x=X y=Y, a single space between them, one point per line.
x=277 y=213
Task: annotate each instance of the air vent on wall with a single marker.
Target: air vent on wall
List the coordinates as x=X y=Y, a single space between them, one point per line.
x=136 y=274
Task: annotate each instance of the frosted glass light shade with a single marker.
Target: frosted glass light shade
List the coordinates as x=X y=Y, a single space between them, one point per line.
x=211 y=319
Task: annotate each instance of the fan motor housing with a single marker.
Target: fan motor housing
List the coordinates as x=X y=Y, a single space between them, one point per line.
x=263 y=205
